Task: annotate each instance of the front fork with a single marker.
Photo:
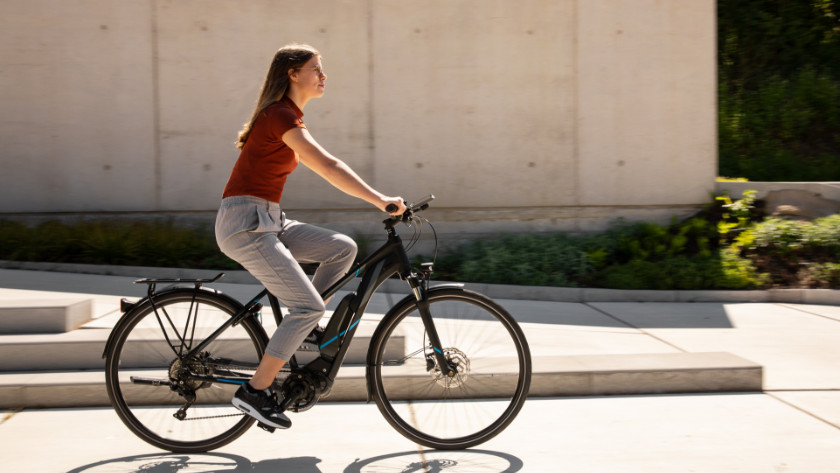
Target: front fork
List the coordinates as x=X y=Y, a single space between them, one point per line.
x=419 y=286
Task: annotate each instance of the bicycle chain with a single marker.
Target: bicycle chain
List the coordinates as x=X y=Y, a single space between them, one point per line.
x=228 y=367
x=240 y=414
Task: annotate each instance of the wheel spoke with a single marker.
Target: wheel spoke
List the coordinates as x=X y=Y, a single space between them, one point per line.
x=486 y=349
x=148 y=380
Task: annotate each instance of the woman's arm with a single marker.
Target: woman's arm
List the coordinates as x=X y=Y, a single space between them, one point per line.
x=336 y=171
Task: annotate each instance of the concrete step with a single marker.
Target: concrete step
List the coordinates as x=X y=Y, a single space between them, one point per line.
x=552 y=376
x=82 y=350
x=44 y=316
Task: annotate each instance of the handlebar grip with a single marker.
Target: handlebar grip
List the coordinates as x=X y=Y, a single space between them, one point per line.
x=391 y=208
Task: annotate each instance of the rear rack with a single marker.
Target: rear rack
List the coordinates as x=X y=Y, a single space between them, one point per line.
x=197 y=281
x=153 y=282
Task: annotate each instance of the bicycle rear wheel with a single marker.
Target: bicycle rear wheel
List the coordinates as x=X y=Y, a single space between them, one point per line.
x=486 y=347
x=143 y=367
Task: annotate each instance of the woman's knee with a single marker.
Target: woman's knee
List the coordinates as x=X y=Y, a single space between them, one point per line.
x=342 y=249
x=315 y=310
x=350 y=247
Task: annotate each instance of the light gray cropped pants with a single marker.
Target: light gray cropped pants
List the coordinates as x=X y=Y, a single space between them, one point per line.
x=255 y=233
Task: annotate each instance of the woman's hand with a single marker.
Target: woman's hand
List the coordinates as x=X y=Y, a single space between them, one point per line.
x=397 y=201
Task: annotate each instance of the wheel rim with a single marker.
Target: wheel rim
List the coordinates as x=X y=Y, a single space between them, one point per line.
x=143 y=351
x=488 y=390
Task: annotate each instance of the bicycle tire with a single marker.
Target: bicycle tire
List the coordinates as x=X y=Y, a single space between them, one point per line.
x=139 y=348
x=491 y=355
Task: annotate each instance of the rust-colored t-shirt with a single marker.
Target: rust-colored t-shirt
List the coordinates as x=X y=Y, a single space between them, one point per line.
x=265 y=160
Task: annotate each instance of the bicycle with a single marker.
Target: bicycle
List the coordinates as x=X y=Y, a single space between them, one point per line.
x=448 y=368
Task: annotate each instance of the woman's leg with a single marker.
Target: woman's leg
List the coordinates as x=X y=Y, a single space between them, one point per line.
x=272 y=260
x=312 y=244
x=247 y=231
x=271 y=263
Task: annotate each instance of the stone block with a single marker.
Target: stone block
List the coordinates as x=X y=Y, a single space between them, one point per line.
x=49 y=316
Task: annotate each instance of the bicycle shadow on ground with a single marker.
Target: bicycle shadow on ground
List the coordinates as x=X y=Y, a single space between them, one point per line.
x=429 y=461
x=199 y=462
x=435 y=461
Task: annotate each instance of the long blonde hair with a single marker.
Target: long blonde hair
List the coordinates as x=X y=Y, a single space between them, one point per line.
x=291 y=56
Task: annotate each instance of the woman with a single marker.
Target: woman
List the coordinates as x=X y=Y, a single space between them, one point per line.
x=252 y=230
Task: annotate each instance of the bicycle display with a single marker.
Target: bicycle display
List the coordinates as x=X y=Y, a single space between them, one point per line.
x=448 y=368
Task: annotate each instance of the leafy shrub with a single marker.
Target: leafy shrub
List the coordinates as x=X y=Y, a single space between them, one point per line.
x=555 y=260
x=779 y=90
x=112 y=242
x=824 y=233
x=784 y=130
x=787 y=236
x=737 y=215
x=825 y=274
x=738 y=272
x=681 y=255
x=778 y=235
x=795 y=252
x=703 y=252
x=678 y=272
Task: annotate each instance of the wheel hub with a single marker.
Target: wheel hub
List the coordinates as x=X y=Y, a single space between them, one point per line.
x=460 y=364
x=180 y=373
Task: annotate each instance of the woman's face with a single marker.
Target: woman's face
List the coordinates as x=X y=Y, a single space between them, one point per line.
x=310 y=79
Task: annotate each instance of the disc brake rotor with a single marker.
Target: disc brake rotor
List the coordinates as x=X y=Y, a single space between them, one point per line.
x=459 y=362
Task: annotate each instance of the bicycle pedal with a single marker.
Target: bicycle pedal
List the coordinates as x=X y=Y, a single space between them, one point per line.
x=267 y=428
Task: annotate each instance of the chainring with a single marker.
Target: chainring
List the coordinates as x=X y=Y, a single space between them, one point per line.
x=302 y=390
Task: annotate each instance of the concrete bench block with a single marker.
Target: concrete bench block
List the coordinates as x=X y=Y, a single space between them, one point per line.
x=593 y=375
x=586 y=375
x=49 y=316
x=82 y=350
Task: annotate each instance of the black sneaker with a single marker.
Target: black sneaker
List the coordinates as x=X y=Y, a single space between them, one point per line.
x=261 y=406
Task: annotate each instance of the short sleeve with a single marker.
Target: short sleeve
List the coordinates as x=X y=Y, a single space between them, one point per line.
x=282 y=119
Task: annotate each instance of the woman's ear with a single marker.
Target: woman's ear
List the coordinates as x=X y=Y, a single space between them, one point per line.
x=293 y=74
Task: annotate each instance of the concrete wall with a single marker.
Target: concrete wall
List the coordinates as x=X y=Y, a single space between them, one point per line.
x=527 y=115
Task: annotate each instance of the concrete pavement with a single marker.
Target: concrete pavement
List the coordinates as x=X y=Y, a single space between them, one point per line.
x=793 y=424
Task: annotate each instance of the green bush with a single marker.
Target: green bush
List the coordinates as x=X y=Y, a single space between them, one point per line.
x=678 y=272
x=112 y=242
x=779 y=90
x=724 y=247
x=824 y=233
x=681 y=255
x=783 y=130
x=789 y=236
x=554 y=260
x=738 y=272
x=826 y=273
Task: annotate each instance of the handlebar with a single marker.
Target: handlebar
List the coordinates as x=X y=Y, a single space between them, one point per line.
x=410 y=209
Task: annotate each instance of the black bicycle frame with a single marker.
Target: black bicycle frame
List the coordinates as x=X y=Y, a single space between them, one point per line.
x=388 y=260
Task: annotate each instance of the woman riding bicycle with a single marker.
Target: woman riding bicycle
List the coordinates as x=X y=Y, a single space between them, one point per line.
x=252 y=229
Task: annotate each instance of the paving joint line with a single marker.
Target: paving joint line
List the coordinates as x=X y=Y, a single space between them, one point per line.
x=666 y=342
x=801 y=409
x=799 y=309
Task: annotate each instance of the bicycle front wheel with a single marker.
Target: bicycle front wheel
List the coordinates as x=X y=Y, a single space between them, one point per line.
x=147 y=375
x=480 y=340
